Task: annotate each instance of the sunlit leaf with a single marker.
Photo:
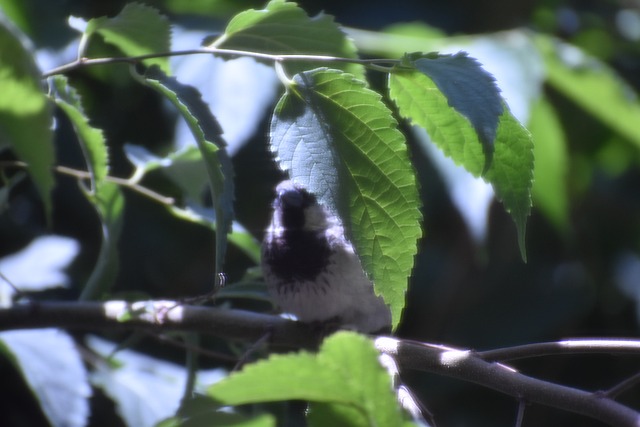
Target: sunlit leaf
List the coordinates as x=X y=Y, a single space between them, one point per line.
x=91 y=139
x=137 y=30
x=336 y=137
x=511 y=170
x=469 y=89
x=25 y=114
x=284 y=28
x=346 y=372
x=593 y=86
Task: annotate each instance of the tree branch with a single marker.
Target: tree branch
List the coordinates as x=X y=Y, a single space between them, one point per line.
x=85 y=62
x=570 y=346
x=467 y=366
x=158 y=317
x=80 y=174
x=162 y=316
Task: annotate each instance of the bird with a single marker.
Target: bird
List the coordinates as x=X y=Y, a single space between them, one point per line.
x=312 y=270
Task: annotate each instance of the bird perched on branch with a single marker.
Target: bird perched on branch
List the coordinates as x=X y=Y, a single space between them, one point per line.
x=312 y=270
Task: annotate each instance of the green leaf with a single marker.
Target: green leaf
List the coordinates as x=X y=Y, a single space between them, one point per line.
x=593 y=86
x=346 y=372
x=469 y=89
x=92 y=140
x=336 y=137
x=25 y=115
x=283 y=28
x=550 y=191
x=137 y=30
x=511 y=171
x=208 y=136
x=109 y=203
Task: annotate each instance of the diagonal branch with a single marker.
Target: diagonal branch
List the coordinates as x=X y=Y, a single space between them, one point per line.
x=467 y=366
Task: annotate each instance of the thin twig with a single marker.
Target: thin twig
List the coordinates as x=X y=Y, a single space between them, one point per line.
x=80 y=174
x=520 y=417
x=87 y=62
x=8 y=282
x=623 y=386
x=566 y=347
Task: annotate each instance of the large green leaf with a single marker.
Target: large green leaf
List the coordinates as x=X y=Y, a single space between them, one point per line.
x=284 y=28
x=593 y=86
x=92 y=140
x=208 y=136
x=338 y=139
x=345 y=372
x=137 y=30
x=469 y=89
x=511 y=172
x=25 y=114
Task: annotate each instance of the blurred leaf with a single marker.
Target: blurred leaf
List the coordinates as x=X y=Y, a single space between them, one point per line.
x=550 y=191
x=208 y=136
x=53 y=369
x=145 y=389
x=137 y=30
x=17 y=12
x=593 y=86
x=336 y=137
x=8 y=184
x=240 y=237
x=108 y=201
x=469 y=90
x=415 y=29
x=92 y=142
x=345 y=372
x=184 y=166
x=282 y=28
x=25 y=115
x=38 y=266
x=215 y=8
x=511 y=170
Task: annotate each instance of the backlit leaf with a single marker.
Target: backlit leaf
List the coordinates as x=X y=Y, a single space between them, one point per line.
x=283 y=28
x=137 y=30
x=511 y=170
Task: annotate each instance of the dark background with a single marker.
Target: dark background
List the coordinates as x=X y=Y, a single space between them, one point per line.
x=461 y=294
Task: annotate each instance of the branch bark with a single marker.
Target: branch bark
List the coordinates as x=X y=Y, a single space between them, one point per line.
x=159 y=316
x=467 y=366
x=162 y=316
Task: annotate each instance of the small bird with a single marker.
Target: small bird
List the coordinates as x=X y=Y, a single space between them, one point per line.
x=312 y=270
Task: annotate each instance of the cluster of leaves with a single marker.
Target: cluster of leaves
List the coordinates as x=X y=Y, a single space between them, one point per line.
x=329 y=131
